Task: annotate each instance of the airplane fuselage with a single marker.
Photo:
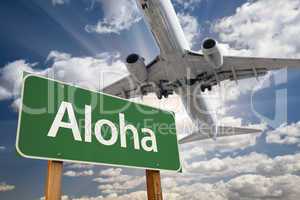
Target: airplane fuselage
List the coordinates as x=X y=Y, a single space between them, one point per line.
x=170 y=38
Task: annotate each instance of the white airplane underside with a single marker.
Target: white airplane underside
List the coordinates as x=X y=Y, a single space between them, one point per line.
x=179 y=70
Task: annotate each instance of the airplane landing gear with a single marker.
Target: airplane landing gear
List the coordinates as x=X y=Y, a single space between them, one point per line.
x=164 y=90
x=163 y=93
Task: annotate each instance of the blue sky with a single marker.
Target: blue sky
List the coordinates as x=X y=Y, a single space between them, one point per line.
x=52 y=36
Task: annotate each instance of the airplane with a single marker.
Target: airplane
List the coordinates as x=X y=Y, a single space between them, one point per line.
x=178 y=69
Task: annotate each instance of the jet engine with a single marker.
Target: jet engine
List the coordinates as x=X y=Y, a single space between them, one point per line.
x=137 y=68
x=212 y=53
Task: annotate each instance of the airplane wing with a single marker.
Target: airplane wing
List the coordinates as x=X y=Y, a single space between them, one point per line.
x=125 y=88
x=236 y=68
x=224 y=131
x=254 y=62
x=128 y=88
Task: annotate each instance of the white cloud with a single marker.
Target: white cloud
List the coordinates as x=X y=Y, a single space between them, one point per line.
x=193 y=152
x=188 y=4
x=11 y=78
x=280 y=165
x=285 y=134
x=214 y=168
x=263 y=28
x=2 y=148
x=228 y=166
x=4 y=94
x=250 y=187
x=252 y=163
x=78 y=166
x=6 y=187
x=137 y=195
x=260 y=187
x=89 y=72
x=58 y=56
x=228 y=50
x=72 y=173
x=112 y=181
x=111 y=172
x=119 y=15
x=191 y=28
x=255 y=176
x=122 y=186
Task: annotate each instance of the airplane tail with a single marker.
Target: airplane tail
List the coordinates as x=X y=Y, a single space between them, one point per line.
x=222 y=131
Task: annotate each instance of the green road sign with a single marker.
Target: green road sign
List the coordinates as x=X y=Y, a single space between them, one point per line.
x=62 y=122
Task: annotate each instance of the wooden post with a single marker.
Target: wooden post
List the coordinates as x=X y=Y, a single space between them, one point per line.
x=154 y=191
x=53 y=182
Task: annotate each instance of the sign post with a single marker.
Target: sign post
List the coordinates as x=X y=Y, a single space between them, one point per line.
x=61 y=122
x=53 y=181
x=154 y=191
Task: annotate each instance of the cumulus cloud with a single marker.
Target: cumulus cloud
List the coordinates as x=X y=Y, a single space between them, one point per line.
x=285 y=134
x=11 y=78
x=119 y=178
x=113 y=181
x=260 y=187
x=78 y=166
x=4 y=187
x=188 y=4
x=137 y=195
x=111 y=172
x=191 y=27
x=89 y=72
x=228 y=166
x=250 y=187
x=242 y=187
x=194 y=152
x=72 y=173
x=122 y=186
x=280 y=165
x=257 y=30
x=252 y=163
x=119 y=15
x=223 y=145
x=264 y=176
x=4 y=94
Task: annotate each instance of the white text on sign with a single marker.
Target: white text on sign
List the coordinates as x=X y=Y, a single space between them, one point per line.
x=148 y=143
